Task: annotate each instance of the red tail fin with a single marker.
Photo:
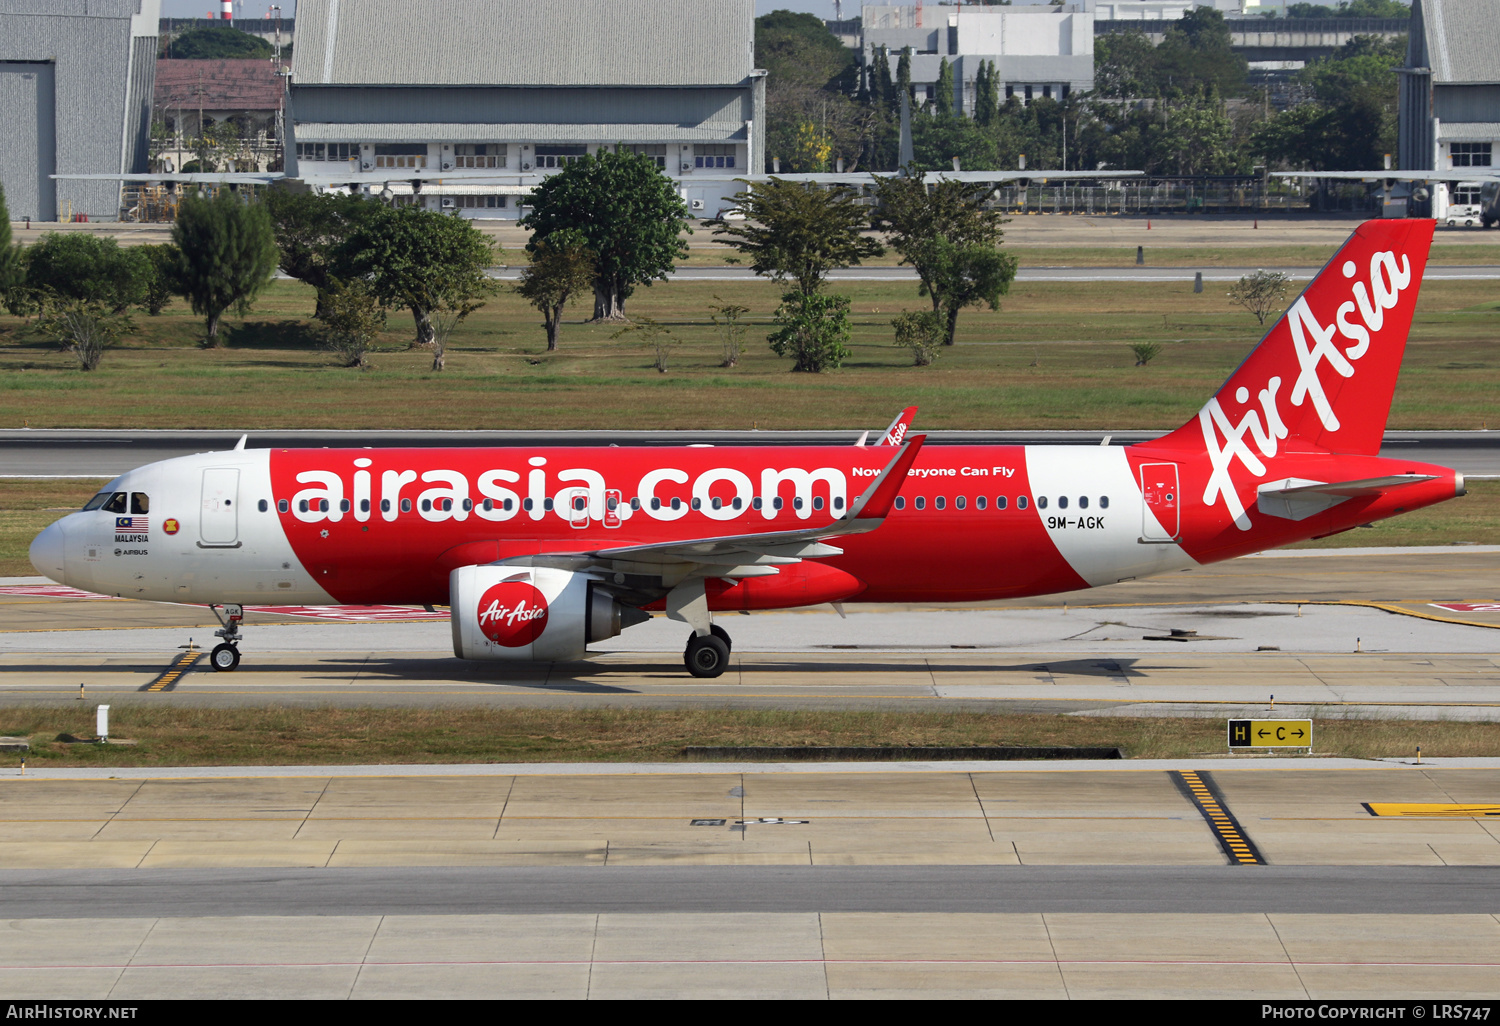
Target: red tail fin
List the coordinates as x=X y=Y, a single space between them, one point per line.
x=1324 y=374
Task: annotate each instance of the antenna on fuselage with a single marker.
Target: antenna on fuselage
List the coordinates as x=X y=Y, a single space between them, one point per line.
x=241 y=443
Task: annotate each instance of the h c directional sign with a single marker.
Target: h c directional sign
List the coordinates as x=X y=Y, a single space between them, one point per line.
x=1270 y=733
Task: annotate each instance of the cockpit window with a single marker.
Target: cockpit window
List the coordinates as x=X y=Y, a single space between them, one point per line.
x=116 y=503
x=140 y=502
x=98 y=501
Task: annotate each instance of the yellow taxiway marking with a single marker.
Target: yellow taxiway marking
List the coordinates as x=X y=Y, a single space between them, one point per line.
x=169 y=677
x=1432 y=810
x=1225 y=829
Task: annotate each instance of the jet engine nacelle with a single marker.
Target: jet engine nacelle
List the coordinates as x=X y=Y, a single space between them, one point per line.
x=525 y=613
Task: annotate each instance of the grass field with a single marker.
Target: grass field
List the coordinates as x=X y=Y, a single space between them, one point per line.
x=278 y=736
x=1056 y=356
x=27 y=506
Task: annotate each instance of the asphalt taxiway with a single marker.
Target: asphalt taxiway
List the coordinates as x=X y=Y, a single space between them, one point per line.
x=1399 y=632
x=1284 y=878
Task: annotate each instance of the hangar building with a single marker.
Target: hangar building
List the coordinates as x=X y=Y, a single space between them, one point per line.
x=1450 y=94
x=76 y=78
x=524 y=88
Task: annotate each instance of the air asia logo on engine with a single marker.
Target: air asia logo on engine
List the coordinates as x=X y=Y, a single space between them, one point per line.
x=512 y=614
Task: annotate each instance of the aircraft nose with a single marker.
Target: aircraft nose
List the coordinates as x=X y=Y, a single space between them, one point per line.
x=48 y=550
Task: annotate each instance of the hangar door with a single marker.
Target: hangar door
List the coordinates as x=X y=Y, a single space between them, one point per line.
x=28 y=126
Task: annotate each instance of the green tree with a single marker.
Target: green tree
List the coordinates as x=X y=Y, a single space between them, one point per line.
x=561 y=266
x=1351 y=121
x=227 y=254
x=352 y=320
x=797 y=50
x=944 y=99
x=627 y=212
x=1196 y=53
x=903 y=76
x=309 y=229
x=799 y=231
x=418 y=259
x=1261 y=293
x=656 y=336
x=11 y=266
x=161 y=281
x=728 y=321
x=944 y=232
x=85 y=330
x=921 y=332
x=215 y=42
x=1125 y=65
x=69 y=268
x=967 y=275
x=813 y=329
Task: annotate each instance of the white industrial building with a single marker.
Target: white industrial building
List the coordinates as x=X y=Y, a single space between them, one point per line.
x=75 y=98
x=521 y=89
x=1450 y=95
x=1038 y=51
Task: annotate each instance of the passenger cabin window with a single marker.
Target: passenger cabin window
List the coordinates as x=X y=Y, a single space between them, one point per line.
x=264 y=506
x=1104 y=502
x=1001 y=502
x=979 y=502
x=406 y=505
x=940 y=502
x=1021 y=502
x=282 y=506
x=1062 y=502
x=1083 y=502
x=921 y=502
x=900 y=502
x=1041 y=502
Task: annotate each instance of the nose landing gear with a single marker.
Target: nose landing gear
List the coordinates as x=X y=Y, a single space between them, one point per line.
x=226 y=657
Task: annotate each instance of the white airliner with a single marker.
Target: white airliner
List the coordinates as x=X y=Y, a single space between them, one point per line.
x=541 y=551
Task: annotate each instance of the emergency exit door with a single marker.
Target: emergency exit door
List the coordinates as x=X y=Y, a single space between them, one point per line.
x=1161 y=514
x=218 y=519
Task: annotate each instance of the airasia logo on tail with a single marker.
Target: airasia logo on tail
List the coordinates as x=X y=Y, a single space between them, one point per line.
x=1339 y=345
x=512 y=614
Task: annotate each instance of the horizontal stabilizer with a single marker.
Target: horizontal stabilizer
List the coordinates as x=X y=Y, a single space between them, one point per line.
x=1296 y=498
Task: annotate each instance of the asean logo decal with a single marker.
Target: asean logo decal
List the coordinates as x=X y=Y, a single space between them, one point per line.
x=171 y=526
x=512 y=614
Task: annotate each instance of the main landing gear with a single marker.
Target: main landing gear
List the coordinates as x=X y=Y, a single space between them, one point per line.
x=708 y=655
x=226 y=657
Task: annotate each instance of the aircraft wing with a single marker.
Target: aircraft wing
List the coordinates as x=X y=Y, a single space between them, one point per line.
x=751 y=555
x=1465 y=174
x=869 y=177
x=191 y=178
x=1029 y=175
